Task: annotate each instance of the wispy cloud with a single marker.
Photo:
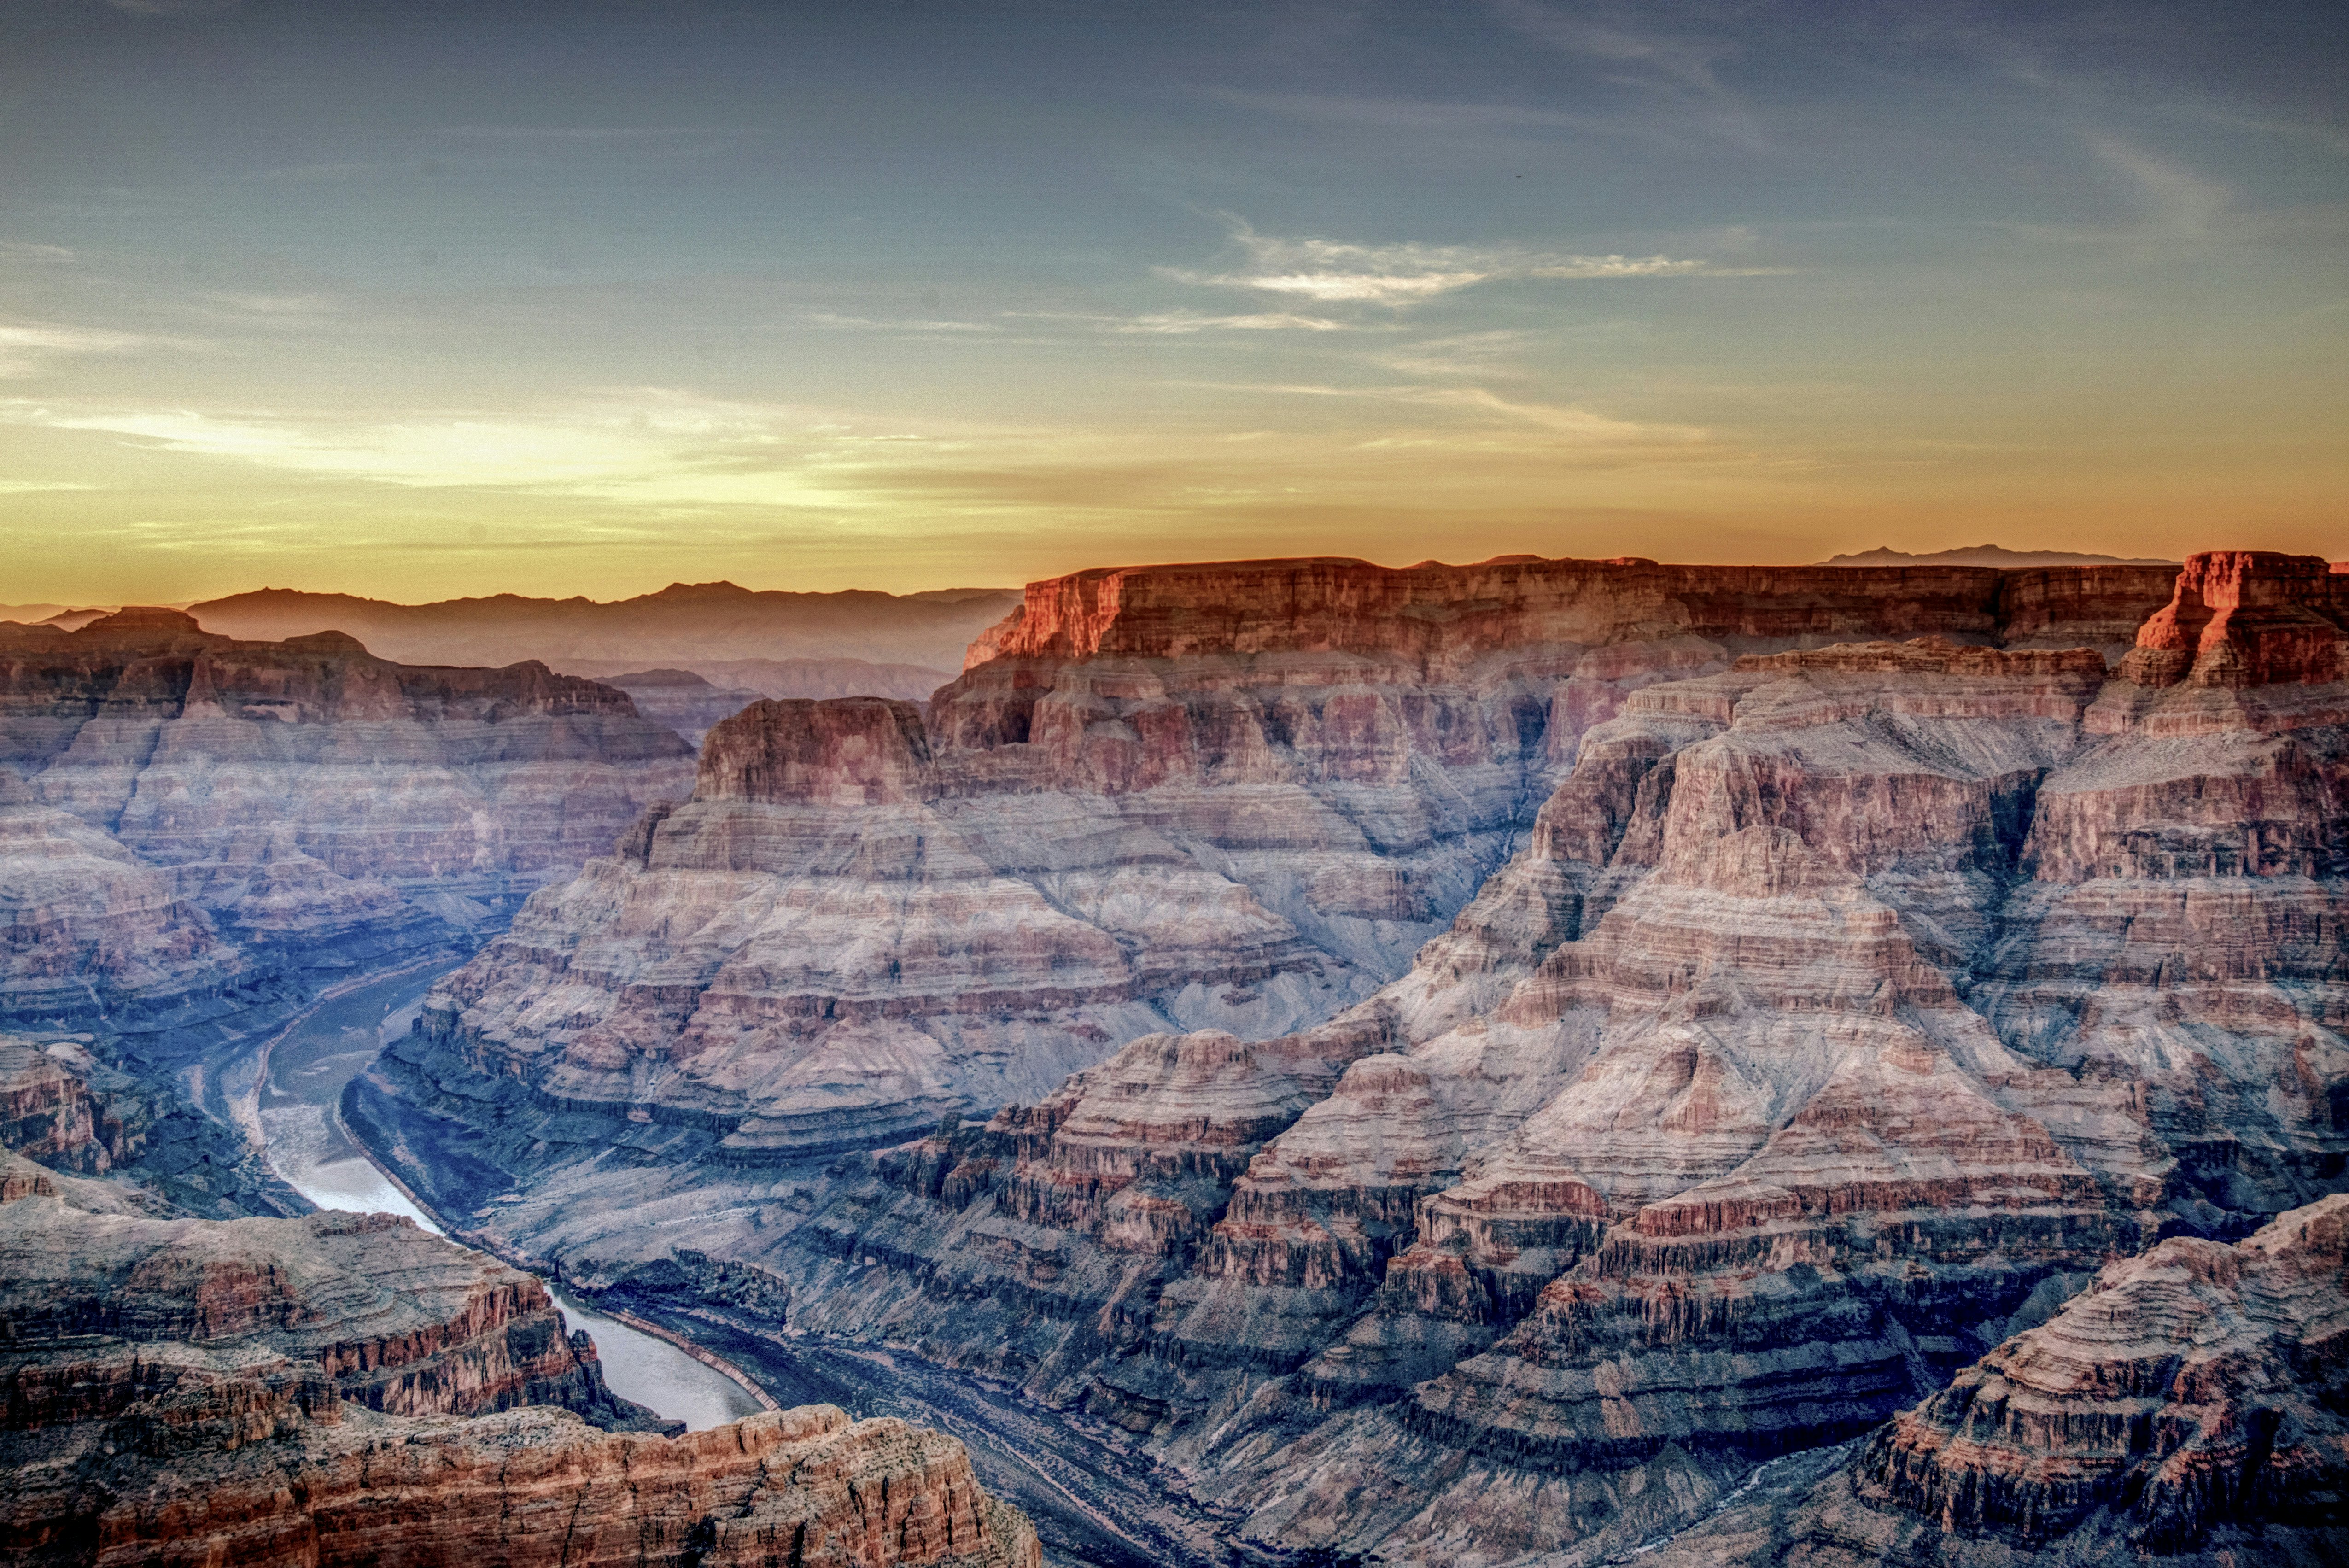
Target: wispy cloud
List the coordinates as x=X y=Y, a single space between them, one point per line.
x=669 y=448
x=28 y=348
x=2176 y=199
x=578 y=133
x=1338 y=272
x=26 y=251
x=1182 y=323
x=1675 y=69
x=872 y=324
x=1576 y=424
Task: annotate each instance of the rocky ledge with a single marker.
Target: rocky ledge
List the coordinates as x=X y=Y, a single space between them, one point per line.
x=346 y=1390
x=2188 y=1406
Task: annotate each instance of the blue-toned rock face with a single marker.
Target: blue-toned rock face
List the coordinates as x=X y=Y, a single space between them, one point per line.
x=187 y=817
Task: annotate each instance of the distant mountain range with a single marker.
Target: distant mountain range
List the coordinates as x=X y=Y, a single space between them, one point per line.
x=700 y=626
x=1989 y=555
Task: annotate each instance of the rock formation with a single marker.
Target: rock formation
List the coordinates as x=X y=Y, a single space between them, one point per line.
x=1873 y=963
x=61 y=1104
x=1227 y=797
x=2187 y=1405
x=346 y=1390
x=181 y=813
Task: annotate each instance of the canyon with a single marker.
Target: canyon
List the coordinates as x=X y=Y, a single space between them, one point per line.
x=346 y=1390
x=1542 y=1060
x=1547 y=1037
x=192 y=827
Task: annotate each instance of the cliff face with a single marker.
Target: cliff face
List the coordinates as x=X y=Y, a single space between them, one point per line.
x=346 y=1390
x=1218 y=797
x=184 y=813
x=63 y=1107
x=2187 y=1406
x=1876 y=967
x=92 y=1279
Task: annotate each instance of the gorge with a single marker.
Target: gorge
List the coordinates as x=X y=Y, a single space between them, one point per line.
x=1535 y=1061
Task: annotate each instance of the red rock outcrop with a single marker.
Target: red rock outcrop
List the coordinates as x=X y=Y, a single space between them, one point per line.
x=298 y=1392
x=2245 y=618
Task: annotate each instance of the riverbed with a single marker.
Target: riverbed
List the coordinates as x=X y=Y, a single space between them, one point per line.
x=296 y=1099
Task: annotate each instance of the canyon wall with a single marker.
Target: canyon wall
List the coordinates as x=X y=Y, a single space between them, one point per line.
x=345 y=1389
x=1875 y=958
x=2185 y=1407
x=1235 y=797
x=184 y=817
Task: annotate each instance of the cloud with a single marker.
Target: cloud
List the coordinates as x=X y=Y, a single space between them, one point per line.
x=36 y=486
x=578 y=133
x=26 y=347
x=1179 y=323
x=1673 y=70
x=1577 y=425
x=2176 y=199
x=655 y=448
x=866 y=323
x=24 y=251
x=1336 y=272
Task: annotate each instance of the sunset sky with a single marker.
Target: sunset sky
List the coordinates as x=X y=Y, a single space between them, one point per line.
x=419 y=300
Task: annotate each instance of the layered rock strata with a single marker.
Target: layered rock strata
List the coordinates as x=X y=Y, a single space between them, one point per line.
x=346 y=1390
x=181 y=813
x=93 y=1276
x=1846 y=1004
x=1232 y=797
x=62 y=1106
x=2189 y=1405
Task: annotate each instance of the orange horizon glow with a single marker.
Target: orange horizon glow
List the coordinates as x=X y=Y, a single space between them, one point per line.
x=427 y=302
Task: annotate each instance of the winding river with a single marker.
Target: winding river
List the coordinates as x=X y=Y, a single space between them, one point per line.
x=306 y=1068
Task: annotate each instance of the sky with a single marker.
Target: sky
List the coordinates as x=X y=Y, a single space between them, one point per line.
x=422 y=300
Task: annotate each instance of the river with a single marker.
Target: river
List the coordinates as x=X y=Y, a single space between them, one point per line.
x=307 y=1066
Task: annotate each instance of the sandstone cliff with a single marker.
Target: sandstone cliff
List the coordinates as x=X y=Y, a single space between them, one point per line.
x=2187 y=1405
x=348 y=1389
x=1872 y=965
x=1234 y=797
x=183 y=815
